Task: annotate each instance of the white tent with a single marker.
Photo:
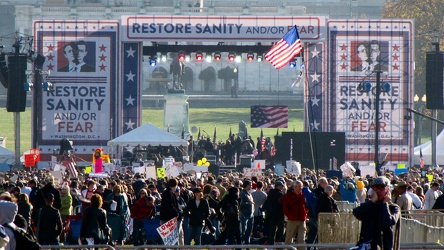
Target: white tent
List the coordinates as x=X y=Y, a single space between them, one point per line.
x=427 y=151
x=6 y=155
x=145 y=135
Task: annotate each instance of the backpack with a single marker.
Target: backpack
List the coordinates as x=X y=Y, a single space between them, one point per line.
x=23 y=239
x=231 y=212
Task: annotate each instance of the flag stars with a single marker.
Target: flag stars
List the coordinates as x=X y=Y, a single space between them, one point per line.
x=395 y=57
x=314 y=53
x=102 y=67
x=50 y=57
x=50 y=47
x=130 y=52
x=343 y=47
x=315 y=77
x=130 y=76
x=315 y=125
x=315 y=101
x=395 y=47
x=343 y=57
x=130 y=101
x=50 y=66
x=395 y=66
x=129 y=125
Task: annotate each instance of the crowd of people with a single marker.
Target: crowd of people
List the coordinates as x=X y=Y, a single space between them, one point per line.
x=225 y=209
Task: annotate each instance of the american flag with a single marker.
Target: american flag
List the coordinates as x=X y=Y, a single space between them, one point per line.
x=269 y=116
x=285 y=50
x=421 y=158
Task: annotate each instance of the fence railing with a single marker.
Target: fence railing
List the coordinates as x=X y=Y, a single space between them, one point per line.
x=421 y=227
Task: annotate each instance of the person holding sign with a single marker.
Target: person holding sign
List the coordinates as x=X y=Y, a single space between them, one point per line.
x=169 y=208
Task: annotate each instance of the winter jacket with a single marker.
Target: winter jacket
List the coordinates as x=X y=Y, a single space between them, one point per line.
x=294 y=206
x=198 y=214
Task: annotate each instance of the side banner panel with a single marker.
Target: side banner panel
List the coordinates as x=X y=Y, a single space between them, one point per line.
x=81 y=57
x=357 y=49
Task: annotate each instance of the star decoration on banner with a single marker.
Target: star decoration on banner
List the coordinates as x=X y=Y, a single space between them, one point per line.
x=50 y=66
x=315 y=77
x=315 y=125
x=130 y=52
x=102 y=67
x=343 y=57
x=343 y=47
x=102 y=57
x=343 y=66
x=314 y=53
x=129 y=125
x=395 y=57
x=102 y=48
x=50 y=47
x=130 y=101
x=130 y=76
x=315 y=101
x=129 y=148
x=395 y=47
x=395 y=66
x=50 y=57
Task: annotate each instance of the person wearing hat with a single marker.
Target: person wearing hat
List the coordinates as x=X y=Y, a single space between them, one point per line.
x=380 y=217
x=198 y=211
x=274 y=215
x=49 y=225
x=401 y=198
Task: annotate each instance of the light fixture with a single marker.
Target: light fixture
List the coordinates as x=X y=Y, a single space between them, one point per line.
x=259 y=58
x=163 y=58
x=48 y=86
x=208 y=58
x=29 y=86
x=238 y=59
x=293 y=63
x=181 y=56
x=217 y=55
x=153 y=61
x=187 y=58
x=385 y=87
x=199 y=56
x=364 y=87
x=231 y=56
x=250 y=56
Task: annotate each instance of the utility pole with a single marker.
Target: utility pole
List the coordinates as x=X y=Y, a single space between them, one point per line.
x=377 y=93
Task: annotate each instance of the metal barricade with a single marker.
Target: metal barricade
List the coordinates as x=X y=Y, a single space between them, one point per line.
x=79 y=247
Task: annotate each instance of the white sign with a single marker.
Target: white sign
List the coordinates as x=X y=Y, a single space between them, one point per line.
x=171 y=171
x=250 y=172
x=367 y=170
x=169 y=232
x=294 y=167
x=258 y=28
x=150 y=172
x=258 y=164
x=347 y=169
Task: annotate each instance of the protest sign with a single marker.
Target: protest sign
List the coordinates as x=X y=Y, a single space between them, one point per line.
x=150 y=172
x=293 y=167
x=169 y=232
x=367 y=170
x=139 y=170
x=347 y=169
x=171 y=171
x=258 y=164
x=58 y=176
x=188 y=167
x=279 y=170
x=160 y=173
x=250 y=172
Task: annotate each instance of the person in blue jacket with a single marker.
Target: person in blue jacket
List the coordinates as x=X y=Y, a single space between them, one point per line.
x=348 y=189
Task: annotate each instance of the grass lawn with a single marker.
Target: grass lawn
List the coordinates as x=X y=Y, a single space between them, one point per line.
x=204 y=118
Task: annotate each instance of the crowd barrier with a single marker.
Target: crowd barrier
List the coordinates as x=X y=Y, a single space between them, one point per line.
x=345 y=228
x=345 y=206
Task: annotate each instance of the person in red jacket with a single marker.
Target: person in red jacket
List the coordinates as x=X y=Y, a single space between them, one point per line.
x=293 y=204
x=143 y=208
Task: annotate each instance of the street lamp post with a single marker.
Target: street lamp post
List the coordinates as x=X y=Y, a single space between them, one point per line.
x=420 y=104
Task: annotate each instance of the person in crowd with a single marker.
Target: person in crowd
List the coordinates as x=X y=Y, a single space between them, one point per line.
x=294 y=207
x=326 y=203
x=380 y=217
x=169 y=208
x=312 y=202
x=34 y=190
x=416 y=201
x=348 y=189
x=361 y=193
x=49 y=226
x=259 y=198
x=40 y=200
x=219 y=185
x=182 y=210
x=142 y=209
x=420 y=193
x=274 y=213
x=401 y=198
x=228 y=209
x=25 y=208
x=246 y=212
x=8 y=212
x=138 y=184
x=213 y=201
x=121 y=210
x=198 y=212
x=430 y=196
x=94 y=229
